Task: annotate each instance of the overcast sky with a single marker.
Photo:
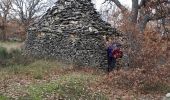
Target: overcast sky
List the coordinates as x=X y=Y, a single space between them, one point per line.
x=99 y=2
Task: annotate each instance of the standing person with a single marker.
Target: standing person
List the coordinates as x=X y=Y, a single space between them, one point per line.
x=113 y=52
x=110 y=58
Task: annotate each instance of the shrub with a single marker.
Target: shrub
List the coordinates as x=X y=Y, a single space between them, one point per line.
x=12 y=57
x=15 y=52
x=16 y=58
x=3 y=53
x=3 y=56
x=155 y=87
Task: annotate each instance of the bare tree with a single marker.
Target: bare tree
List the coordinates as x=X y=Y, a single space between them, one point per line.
x=28 y=10
x=142 y=12
x=5 y=7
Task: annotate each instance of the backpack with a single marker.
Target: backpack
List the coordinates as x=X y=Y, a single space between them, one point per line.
x=114 y=51
x=117 y=53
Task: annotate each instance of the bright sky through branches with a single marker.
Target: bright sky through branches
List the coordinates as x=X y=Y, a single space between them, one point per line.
x=97 y=3
x=124 y=2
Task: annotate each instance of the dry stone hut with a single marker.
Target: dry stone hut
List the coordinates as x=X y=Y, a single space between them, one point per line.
x=71 y=31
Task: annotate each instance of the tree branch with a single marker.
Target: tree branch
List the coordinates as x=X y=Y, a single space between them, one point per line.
x=120 y=6
x=142 y=3
x=147 y=18
x=134 y=12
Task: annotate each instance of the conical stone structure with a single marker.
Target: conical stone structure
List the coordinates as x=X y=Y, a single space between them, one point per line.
x=71 y=31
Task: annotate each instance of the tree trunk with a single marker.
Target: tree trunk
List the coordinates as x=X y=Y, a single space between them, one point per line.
x=134 y=12
x=3 y=28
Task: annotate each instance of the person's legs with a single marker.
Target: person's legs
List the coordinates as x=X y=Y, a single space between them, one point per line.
x=109 y=64
x=113 y=63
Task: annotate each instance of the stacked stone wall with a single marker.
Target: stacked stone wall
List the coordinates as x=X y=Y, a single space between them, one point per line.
x=71 y=31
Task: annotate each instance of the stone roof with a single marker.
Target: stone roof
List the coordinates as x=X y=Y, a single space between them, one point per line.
x=73 y=16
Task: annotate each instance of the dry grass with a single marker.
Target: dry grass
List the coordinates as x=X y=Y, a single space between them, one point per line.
x=136 y=83
x=50 y=79
x=11 y=45
x=41 y=79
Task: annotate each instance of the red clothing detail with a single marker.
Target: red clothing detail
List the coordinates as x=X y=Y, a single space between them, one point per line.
x=117 y=53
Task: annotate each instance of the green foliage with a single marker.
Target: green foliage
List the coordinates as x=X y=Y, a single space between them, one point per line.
x=3 y=53
x=10 y=55
x=15 y=52
x=16 y=58
x=3 y=56
x=68 y=87
x=3 y=97
x=13 y=57
x=37 y=69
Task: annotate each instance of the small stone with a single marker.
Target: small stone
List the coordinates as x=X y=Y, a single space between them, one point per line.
x=168 y=95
